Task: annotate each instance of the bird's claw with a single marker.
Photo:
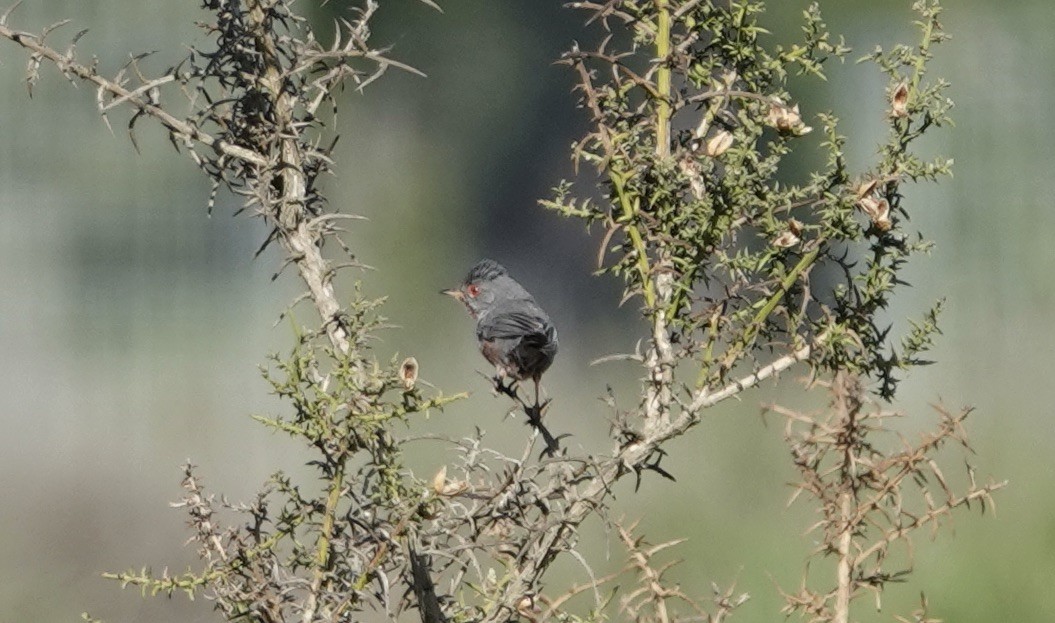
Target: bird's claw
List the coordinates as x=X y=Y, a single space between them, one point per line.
x=534 y=412
x=501 y=387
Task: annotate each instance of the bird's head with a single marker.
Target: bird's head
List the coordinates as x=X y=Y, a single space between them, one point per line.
x=487 y=284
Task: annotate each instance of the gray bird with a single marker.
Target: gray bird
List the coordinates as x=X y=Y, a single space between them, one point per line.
x=515 y=334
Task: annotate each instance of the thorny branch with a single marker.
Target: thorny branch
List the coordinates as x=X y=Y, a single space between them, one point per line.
x=252 y=134
x=252 y=96
x=870 y=499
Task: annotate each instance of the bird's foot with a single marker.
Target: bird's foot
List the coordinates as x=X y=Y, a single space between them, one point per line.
x=539 y=409
x=534 y=413
x=501 y=387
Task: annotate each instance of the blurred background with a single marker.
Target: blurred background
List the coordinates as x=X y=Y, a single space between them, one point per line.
x=132 y=324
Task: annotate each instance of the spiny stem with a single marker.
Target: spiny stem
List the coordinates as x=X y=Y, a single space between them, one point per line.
x=629 y=210
x=663 y=111
x=805 y=262
x=322 y=546
x=756 y=323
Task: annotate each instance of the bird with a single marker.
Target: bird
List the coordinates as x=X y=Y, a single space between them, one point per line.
x=516 y=335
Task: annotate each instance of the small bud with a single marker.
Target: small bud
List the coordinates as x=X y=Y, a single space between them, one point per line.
x=729 y=78
x=408 y=372
x=699 y=133
x=718 y=144
x=795 y=226
x=899 y=101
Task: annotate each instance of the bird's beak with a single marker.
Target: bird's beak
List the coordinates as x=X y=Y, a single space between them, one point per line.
x=454 y=293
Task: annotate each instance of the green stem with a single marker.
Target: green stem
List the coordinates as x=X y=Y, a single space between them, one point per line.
x=663 y=111
x=663 y=79
x=322 y=547
x=748 y=336
x=785 y=285
x=629 y=210
x=920 y=66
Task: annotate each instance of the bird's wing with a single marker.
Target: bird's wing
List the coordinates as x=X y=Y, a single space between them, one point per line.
x=522 y=342
x=514 y=324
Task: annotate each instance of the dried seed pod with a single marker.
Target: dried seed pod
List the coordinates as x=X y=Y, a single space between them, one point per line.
x=442 y=486
x=527 y=608
x=899 y=100
x=691 y=169
x=786 y=239
x=786 y=119
x=878 y=210
x=718 y=144
x=408 y=372
x=867 y=187
x=455 y=487
x=439 y=481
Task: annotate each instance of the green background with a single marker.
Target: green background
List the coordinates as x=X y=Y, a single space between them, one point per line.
x=132 y=324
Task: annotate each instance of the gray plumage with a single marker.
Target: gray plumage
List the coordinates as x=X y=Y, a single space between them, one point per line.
x=515 y=334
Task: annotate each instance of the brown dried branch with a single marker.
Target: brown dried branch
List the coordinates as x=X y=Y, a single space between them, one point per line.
x=869 y=499
x=652 y=600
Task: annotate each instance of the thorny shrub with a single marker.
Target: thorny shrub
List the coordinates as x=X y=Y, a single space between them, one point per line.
x=740 y=270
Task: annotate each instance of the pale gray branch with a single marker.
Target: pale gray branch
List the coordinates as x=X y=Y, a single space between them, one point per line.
x=703 y=398
x=70 y=67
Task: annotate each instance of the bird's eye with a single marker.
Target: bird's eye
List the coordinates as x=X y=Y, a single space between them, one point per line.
x=473 y=290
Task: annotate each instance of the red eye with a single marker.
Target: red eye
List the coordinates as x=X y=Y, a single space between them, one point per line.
x=473 y=290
